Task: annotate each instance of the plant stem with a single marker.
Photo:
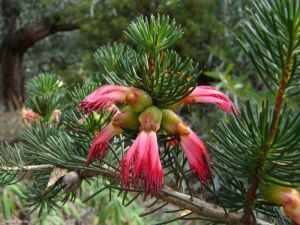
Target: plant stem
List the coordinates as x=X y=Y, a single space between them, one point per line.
x=167 y=195
x=255 y=178
x=26 y=168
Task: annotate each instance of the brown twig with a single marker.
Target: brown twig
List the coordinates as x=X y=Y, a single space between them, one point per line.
x=168 y=195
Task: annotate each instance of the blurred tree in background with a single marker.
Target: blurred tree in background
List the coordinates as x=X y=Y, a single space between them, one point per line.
x=208 y=27
x=23 y=24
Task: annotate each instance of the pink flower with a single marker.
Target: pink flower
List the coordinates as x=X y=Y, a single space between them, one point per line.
x=142 y=160
x=101 y=141
x=192 y=146
x=104 y=97
x=107 y=95
x=29 y=116
x=196 y=153
x=210 y=94
x=124 y=118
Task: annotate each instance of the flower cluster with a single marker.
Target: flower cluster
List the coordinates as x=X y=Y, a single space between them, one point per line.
x=142 y=160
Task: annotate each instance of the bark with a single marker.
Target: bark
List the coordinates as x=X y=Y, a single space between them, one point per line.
x=14 y=46
x=12 y=78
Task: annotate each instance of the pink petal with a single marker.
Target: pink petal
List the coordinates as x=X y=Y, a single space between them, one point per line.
x=196 y=153
x=100 y=143
x=104 y=97
x=142 y=161
x=155 y=174
x=143 y=146
x=107 y=88
x=210 y=94
x=126 y=163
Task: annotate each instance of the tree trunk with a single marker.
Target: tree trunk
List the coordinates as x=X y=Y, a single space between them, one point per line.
x=13 y=48
x=14 y=45
x=12 y=78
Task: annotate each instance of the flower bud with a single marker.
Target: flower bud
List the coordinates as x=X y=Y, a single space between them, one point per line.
x=172 y=123
x=55 y=116
x=127 y=118
x=139 y=100
x=273 y=192
x=287 y=197
x=29 y=116
x=150 y=119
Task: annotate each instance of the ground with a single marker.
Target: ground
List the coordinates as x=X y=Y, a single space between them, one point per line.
x=10 y=126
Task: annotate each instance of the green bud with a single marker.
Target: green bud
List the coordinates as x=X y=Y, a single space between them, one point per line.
x=140 y=100
x=127 y=118
x=150 y=118
x=273 y=192
x=170 y=120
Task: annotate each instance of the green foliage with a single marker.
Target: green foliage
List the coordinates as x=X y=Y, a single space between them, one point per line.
x=202 y=24
x=119 y=62
x=108 y=57
x=11 y=196
x=115 y=16
x=239 y=87
x=79 y=92
x=45 y=200
x=117 y=211
x=162 y=73
x=272 y=36
x=262 y=143
x=10 y=157
x=154 y=35
x=59 y=54
x=97 y=210
x=45 y=84
x=253 y=127
x=46 y=94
